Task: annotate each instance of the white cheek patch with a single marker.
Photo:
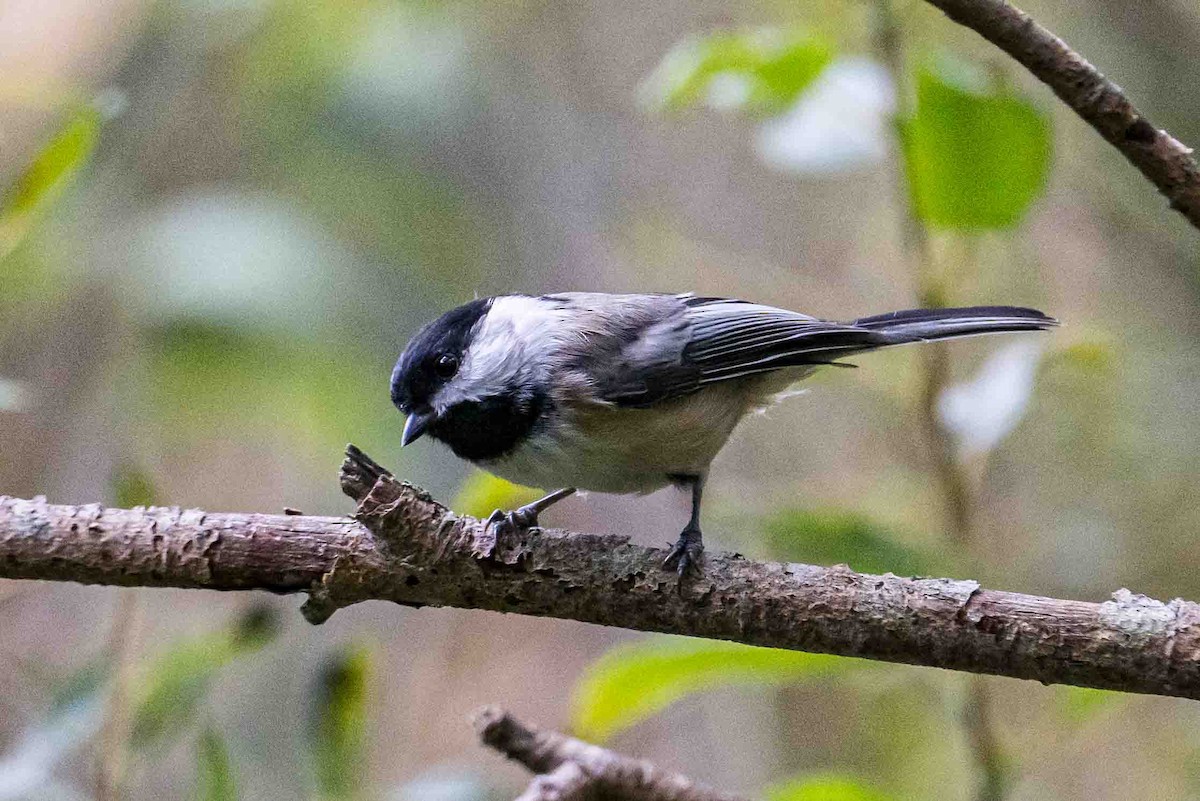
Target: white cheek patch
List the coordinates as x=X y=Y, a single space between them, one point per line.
x=510 y=348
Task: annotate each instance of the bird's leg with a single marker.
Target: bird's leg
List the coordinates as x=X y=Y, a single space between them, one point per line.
x=685 y=553
x=527 y=516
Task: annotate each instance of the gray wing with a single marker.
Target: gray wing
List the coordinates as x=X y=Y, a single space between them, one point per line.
x=629 y=348
x=733 y=338
x=645 y=349
x=659 y=347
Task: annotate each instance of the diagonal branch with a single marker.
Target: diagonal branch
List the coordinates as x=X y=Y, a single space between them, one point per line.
x=403 y=547
x=567 y=769
x=1162 y=158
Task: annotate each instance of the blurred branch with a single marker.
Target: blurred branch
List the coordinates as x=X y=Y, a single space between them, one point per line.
x=568 y=769
x=401 y=546
x=1162 y=158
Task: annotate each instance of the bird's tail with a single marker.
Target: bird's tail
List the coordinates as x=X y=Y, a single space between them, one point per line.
x=924 y=325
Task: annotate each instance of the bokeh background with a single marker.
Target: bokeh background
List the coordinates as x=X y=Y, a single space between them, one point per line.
x=239 y=210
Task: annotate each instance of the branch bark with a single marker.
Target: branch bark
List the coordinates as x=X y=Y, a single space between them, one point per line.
x=403 y=547
x=1162 y=158
x=569 y=770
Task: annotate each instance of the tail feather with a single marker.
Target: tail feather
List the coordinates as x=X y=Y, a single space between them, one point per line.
x=917 y=325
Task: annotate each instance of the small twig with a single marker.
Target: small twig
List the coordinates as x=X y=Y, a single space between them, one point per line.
x=567 y=782
x=1160 y=157
x=567 y=768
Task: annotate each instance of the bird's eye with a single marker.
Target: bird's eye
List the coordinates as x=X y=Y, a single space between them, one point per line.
x=446 y=365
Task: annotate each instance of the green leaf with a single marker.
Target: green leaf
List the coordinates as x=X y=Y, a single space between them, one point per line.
x=833 y=536
x=338 y=732
x=1079 y=704
x=828 y=787
x=204 y=378
x=214 y=771
x=482 y=493
x=977 y=154
x=1096 y=357
x=762 y=70
x=635 y=680
x=132 y=487
x=175 y=684
x=49 y=173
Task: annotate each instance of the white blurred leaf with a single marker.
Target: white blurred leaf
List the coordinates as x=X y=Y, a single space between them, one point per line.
x=409 y=69
x=442 y=784
x=14 y=395
x=26 y=768
x=981 y=412
x=840 y=123
x=232 y=257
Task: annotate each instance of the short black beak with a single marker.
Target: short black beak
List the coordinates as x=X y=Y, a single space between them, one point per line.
x=415 y=426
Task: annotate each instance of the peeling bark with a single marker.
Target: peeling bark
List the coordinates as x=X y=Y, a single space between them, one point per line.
x=404 y=547
x=1160 y=157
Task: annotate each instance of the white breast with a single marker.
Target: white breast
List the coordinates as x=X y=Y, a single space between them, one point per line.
x=605 y=448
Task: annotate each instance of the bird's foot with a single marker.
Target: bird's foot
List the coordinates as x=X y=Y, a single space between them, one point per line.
x=521 y=519
x=526 y=517
x=684 y=556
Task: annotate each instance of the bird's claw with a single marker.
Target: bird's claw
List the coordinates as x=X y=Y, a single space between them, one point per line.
x=685 y=555
x=521 y=519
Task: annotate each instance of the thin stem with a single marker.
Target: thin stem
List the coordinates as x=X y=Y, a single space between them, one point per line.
x=113 y=754
x=953 y=480
x=995 y=775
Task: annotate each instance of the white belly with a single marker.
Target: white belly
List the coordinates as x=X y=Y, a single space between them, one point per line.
x=611 y=449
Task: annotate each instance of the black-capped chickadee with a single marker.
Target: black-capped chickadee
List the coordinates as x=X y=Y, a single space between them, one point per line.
x=629 y=393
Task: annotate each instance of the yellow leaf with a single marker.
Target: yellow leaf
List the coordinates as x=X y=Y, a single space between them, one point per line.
x=482 y=493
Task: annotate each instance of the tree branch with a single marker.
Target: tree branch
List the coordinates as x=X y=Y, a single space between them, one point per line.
x=567 y=769
x=403 y=547
x=1162 y=158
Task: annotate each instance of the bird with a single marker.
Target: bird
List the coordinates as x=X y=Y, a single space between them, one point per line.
x=629 y=393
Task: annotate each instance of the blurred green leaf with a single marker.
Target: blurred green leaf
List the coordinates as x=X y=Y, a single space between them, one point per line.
x=829 y=787
x=82 y=686
x=204 y=377
x=482 y=493
x=977 y=154
x=49 y=173
x=1080 y=704
x=635 y=680
x=762 y=70
x=214 y=771
x=1090 y=356
x=175 y=684
x=833 y=536
x=338 y=733
x=132 y=487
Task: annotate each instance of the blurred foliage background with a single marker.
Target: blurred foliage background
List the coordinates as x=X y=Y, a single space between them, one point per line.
x=222 y=219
